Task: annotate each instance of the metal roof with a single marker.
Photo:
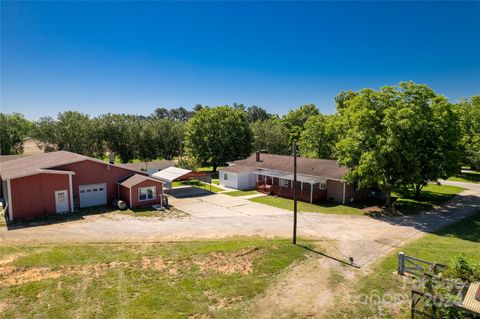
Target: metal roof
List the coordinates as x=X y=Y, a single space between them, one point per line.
x=170 y=174
x=287 y=175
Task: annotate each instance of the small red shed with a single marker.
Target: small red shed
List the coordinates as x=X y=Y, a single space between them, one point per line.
x=139 y=190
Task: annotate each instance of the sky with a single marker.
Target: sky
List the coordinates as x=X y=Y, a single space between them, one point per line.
x=132 y=57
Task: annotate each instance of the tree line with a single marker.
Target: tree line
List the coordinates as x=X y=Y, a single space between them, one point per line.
x=398 y=136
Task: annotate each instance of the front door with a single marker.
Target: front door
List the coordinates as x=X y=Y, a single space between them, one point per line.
x=61 y=201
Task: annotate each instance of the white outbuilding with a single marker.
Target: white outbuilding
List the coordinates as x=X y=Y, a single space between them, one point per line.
x=238 y=177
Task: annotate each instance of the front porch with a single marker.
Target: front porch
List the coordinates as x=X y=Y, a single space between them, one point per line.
x=309 y=189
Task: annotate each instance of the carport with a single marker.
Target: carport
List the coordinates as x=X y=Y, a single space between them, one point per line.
x=174 y=174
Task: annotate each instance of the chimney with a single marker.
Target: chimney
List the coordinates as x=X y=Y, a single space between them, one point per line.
x=257 y=156
x=111 y=158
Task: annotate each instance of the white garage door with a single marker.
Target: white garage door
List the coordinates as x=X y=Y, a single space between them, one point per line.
x=93 y=195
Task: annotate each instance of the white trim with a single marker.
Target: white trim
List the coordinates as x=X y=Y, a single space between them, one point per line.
x=44 y=171
x=289 y=172
x=344 y=186
x=71 y=193
x=10 y=210
x=54 y=171
x=147 y=199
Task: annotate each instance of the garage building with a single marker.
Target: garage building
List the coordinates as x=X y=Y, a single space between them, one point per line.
x=59 y=182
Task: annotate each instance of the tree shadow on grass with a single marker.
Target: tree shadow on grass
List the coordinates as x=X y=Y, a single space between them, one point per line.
x=470 y=177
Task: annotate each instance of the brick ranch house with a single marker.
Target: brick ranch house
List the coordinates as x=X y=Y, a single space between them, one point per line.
x=58 y=182
x=317 y=179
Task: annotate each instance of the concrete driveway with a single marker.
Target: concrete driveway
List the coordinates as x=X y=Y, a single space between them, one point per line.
x=218 y=216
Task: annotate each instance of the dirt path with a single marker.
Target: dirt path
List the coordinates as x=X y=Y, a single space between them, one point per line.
x=306 y=289
x=309 y=289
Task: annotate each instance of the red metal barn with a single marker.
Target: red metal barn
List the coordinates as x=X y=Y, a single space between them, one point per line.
x=59 y=182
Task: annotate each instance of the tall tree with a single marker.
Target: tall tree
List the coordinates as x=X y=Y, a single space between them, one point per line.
x=14 y=129
x=121 y=134
x=295 y=119
x=320 y=134
x=429 y=131
x=217 y=135
x=179 y=114
x=271 y=135
x=256 y=113
x=71 y=131
x=469 y=112
x=398 y=136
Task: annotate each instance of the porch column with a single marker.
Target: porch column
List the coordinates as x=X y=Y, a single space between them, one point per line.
x=311 y=193
x=301 y=186
x=71 y=192
x=343 y=193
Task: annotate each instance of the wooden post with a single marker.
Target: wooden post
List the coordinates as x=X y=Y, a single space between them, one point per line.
x=401 y=263
x=294 y=241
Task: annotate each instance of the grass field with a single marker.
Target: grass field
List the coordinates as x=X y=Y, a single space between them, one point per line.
x=442 y=246
x=467 y=177
x=431 y=196
x=327 y=208
x=242 y=193
x=172 y=280
x=199 y=184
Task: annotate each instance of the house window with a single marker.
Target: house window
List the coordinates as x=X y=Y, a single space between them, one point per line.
x=225 y=176
x=61 y=197
x=322 y=184
x=283 y=182
x=146 y=193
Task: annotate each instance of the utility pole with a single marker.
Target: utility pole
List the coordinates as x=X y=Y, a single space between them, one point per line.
x=294 y=240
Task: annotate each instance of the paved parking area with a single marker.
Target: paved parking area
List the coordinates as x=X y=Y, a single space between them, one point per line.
x=219 y=216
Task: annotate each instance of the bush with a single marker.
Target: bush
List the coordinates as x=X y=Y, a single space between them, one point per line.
x=464 y=269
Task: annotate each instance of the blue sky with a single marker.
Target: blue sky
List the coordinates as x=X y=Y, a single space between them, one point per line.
x=99 y=57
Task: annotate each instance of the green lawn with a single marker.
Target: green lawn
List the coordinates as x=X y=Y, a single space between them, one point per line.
x=327 y=208
x=442 y=246
x=242 y=193
x=205 y=279
x=199 y=185
x=431 y=196
x=467 y=177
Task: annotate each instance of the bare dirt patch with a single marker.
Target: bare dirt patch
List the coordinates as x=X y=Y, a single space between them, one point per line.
x=11 y=275
x=306 y=289
x=10 y=258
x=231 y=262
x=221 y=262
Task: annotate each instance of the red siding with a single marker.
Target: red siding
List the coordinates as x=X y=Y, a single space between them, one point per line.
x=158 y=193
x=125 y=194
x=91 y=172
x=34 y=195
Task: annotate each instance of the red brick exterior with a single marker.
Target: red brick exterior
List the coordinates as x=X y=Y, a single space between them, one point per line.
x=125 y=194
x=34 y=195
x=335 y=192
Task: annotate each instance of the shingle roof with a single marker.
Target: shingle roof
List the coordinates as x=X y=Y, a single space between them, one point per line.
x=236 y=168
x=6 y=158
x=134 y=180
x=307 y=166
x=34 y=164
